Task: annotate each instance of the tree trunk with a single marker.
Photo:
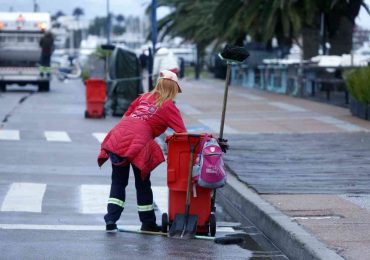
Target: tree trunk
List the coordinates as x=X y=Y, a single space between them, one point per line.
x=341 y=40
x=311 y=42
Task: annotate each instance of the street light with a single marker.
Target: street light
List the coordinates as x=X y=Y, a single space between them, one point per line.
x=108 y=24
x=154 y=42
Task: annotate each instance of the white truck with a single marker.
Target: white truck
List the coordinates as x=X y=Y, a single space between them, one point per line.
x=20 y=53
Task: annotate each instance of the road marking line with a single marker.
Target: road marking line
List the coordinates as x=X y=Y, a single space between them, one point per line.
x=160 y=196
x=82 y=227
x=361 y=200
x=99 y=136
x=24 y=197
x=250 y=96
x=9 y=135
x=62 y=227
x=287 y=107
x=189 y=110
x=94 y=198
x=214 y=125
x=57 y=136
x=340 y=124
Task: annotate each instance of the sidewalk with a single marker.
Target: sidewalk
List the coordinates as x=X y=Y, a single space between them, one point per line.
x=299 y=169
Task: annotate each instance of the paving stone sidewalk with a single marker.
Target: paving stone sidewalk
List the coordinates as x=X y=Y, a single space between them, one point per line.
x=308 y=159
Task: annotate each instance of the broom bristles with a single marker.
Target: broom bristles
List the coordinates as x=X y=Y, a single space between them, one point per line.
x=234 y=53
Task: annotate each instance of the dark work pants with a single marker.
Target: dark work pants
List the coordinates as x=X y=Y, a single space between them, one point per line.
x=116 y=201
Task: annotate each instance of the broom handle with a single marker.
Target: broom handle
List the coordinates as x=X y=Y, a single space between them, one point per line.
x=228 y=72
x=187 y=204
x=225 y=100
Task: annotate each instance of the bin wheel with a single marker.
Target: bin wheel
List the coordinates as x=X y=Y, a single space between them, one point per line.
x=164 y=223
x=86 y=114
x=212 y=224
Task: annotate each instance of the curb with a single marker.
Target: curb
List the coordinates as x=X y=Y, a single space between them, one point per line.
x=245 y=205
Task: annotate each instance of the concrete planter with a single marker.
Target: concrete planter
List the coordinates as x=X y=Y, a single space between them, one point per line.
x=359 y=109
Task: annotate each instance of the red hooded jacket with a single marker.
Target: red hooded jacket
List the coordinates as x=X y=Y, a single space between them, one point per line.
x=133 y=137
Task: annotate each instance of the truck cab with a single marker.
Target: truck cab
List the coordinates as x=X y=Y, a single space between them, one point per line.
x=20 y=53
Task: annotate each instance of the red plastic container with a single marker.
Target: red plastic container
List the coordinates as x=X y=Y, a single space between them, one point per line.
x=177 y=179
x=95 y=98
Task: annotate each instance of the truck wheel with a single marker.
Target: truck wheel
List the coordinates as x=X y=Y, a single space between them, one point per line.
x=44 y=86
x=2 y=87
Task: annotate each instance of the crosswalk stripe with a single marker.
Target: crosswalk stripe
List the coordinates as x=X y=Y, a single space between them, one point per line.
x=189 y=110
x=160 y=196
x=287 y=107
x=9 y=135
x=214 y=124
x=85 y=227
x=57 y=136
x=347 y=126
x=93 y=199
x=99 y=136
x=24 y=197
x=62 y=227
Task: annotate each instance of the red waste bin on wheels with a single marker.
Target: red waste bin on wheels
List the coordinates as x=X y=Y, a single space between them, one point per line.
x=177 y=179
x=95 y=98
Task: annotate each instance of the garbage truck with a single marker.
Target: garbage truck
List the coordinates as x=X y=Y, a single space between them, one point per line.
x=20 y=34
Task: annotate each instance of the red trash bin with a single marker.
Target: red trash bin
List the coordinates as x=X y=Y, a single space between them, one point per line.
x=177 y=178
x=95 y=98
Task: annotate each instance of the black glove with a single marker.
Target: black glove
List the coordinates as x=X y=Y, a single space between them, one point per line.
x=223 y=144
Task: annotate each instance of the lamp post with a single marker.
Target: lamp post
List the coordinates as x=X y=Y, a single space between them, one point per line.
x=154 y=42
x=108 y=24
x=154 y=24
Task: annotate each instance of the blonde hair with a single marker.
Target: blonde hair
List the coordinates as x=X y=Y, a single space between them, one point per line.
x=166 y=89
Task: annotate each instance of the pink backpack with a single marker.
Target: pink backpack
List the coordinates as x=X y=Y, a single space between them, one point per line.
x=209 y=170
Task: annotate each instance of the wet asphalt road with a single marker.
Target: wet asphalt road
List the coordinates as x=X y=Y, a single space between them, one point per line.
x=48 y=221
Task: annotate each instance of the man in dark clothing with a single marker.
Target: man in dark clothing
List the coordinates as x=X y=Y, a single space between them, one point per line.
x=47 y=47
x=143 y=60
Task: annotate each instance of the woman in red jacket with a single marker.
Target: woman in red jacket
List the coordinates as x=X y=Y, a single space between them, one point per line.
x=131 y=142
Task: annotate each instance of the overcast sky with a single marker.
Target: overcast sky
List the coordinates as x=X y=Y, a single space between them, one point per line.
x=94 y=8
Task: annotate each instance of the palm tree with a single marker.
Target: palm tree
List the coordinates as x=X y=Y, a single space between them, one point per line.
x=57 y=15
x=217 y=21
x=78 y=12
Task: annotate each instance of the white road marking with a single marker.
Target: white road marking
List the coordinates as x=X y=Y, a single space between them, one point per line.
x=62 y=227
x=83 y=227
x=9 y=135
x=361 y=200
x=24 y=197
x=250 y=96
x=160 y=197
x=189 y=110
x=214 y=125
x=287 y=107
x=225 y=229
x=57 y=136
x=94 y=198
x=340 y=124
x=99 y=136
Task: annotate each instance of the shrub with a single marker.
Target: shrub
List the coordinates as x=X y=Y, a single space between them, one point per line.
x=358 y=83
